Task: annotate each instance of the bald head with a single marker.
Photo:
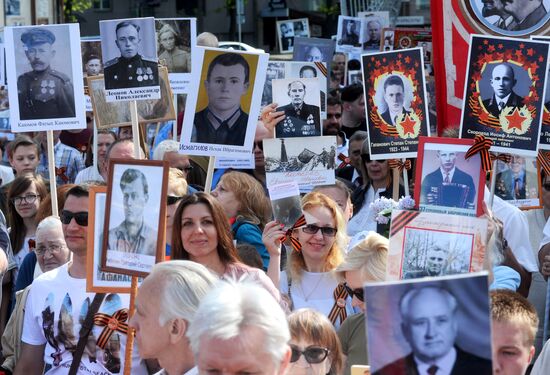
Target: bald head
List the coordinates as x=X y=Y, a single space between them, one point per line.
x=503 y=80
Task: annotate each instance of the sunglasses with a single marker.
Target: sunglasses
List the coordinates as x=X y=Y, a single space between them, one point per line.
x=546 y=186
x=312 y=354
x=81 y=218
x=355 y=292
x=259 y=144
x=170 y=200
x=313 y=229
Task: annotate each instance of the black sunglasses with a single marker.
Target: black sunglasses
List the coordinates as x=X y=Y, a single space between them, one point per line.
x=170 y=200
x=81 y=218
x=312 y=229
x=546 y=186
x=312 y=354
x=355 y=292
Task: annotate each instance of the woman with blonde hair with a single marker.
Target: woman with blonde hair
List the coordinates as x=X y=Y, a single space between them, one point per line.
x=366 y=262
x=315 y=346
x=309 y=279
x=247 y=207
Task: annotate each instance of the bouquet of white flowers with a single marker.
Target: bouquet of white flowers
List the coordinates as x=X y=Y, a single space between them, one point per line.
x=382 y=207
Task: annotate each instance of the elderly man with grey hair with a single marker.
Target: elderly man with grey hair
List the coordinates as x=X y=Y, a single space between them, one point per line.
x=168 y=150
x=436 y=262
x=166 y=302
x=239 y=327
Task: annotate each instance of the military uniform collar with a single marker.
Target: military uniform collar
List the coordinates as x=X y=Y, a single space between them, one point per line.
x=137 y=57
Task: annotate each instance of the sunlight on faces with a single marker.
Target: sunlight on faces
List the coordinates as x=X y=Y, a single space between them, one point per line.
x=51 y=237
x=316 y=247
x=24 y=159
x=378 y=171
x=76 y=235
x=225 y=87
x=199 y=236
x=512 y=351
x=104 y=141
x=27 y=209
x=355 y=281
x=340 y=198
x=227 y=199
x=301 y=366
x=178 y=161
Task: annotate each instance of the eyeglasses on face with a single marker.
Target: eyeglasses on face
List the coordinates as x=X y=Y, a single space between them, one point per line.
x=81 y=218
x=54 y=248
x=312 y=354
x=313 y=229
x=170 y=200
x=358 y=293
x=29 y=198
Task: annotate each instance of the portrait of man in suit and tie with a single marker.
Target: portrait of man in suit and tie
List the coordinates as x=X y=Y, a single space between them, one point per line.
x=515 y=182
x=394 y=100
x=503 y=81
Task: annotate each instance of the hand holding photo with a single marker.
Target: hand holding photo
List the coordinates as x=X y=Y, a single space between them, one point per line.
x=286 y=203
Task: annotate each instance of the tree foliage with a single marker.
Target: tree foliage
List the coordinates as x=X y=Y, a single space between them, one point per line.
x=72 y=8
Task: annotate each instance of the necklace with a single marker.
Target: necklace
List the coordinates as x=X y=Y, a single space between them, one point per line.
x=308 y=295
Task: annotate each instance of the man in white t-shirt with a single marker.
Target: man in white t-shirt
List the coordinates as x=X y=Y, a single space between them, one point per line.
x=58 y=304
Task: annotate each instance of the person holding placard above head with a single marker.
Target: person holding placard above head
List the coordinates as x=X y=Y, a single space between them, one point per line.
x=43 y=92
x=224 y=121
x=130 y=69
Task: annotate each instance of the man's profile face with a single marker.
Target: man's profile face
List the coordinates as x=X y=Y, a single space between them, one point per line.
x=297 y=91
x=40 y=56
x=430 y=326
x=225 y=87
x=331 y=125
x=517 y=164
x=314 y=54
x=394 y=98
x=435 y=261
x=502 y=81
x=93 y=67
x=373 y=28
x=134 y=200
x=447 y=160
x=127 y=41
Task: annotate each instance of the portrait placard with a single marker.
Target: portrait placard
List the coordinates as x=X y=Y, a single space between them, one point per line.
x=98 y=281
x=503 y=92
x=309 y=161
x=288 y=29
x=350 y=34
x=374 y=22
x=427 y=244
x=355 y=76
x=116 y=114
x=44 y=69
x=286 y=203
x=221 y=115
x=132 y=240
x=395 y=102
x=460 y=306
x=176 y=41
x=313 y=49
x=299 y=99
x=90 y=49
x=447 y=182
x=544 y=141
x=130 y=63
x=519 y=182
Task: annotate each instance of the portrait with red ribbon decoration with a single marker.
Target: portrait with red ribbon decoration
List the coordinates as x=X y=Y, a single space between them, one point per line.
x=504 y=92
x=395 y=101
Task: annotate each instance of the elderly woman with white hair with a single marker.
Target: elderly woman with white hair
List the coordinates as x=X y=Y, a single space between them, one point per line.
x=175 y=58
x=166 y=302
x=366 y=262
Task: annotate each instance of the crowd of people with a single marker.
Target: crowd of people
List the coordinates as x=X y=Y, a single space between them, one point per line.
x=238 y=293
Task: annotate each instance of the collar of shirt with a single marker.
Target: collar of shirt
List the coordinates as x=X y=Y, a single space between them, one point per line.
x=451 y=173
x=298 y=108
x=504 y=100
x=395 y=115
x=216 y=121
x=444 y=364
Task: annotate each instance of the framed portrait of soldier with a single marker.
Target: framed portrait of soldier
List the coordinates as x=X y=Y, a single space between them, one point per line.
x=130 y=63
x=92 y=63
x=349 y=34
x=116 y=114
x=299 y=99
x=430 y=244
x=409 y=315
x=44 y=68
x=230 y=87
x=374 y=23
x=176 y=41
x=395 y=102
x=518 y=181
x=504 y=91
x=275 y=70
x=135 y=216
x=98 y=281
x=446 y=181
x=313 y=49
x=319 y=70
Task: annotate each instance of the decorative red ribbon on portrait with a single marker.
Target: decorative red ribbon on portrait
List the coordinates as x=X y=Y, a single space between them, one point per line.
x=60 y=172
x=544 y=161
x=112 y=323
x=339 y=308
x=481 y=145
x=398 y=164
x=293 y=240
x=344 y=161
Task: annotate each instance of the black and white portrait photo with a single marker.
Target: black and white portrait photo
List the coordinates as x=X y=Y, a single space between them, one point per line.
x=43 y=63
x=129 y=55
x=174 y=44
x=512 y=17
x=287 y=30
x=393 y=98
x=425 y=326
x=287 y=210
x=518 y=181
x=313 y=49
x=349 y=31
x=275 y=70
x=296 y=69
x=299 y=98
x=135 y=213
x=91 y=58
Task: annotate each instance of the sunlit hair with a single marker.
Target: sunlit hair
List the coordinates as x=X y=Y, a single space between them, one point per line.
x=254 y=207
x=296 y=262
x=49 y=223
x=315 y=329
x=182 y=285
x=226 y=249
x=18 y=187
x=177 y=182
x=369 y=257
x=510 y=307
x=21 y=140
x=168 y=145
x=231 y=309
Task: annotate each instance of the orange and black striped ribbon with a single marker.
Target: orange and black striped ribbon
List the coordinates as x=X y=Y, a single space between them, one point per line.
x=112 y=323
x=322 y=68
x=339 y=307
x=60 y=172
x=293 y=240
x=396 y=163
x=401 y=220
x=344 y=160
x=505 y=158
x=544 y=162
x=481 y=145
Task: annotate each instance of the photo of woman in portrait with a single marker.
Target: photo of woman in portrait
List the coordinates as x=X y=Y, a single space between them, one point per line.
x=171 y=50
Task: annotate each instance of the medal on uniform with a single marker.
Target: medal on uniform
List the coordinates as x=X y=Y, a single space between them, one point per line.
x=52 y=86
x=139 y=78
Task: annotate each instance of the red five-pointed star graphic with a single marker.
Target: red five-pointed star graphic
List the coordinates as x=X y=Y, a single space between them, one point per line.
x=408 y=125
x=515 y=120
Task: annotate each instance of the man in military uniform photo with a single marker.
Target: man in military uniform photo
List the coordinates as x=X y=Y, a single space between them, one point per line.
x=44 y=93
x=301 y=119
x=130 y=69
